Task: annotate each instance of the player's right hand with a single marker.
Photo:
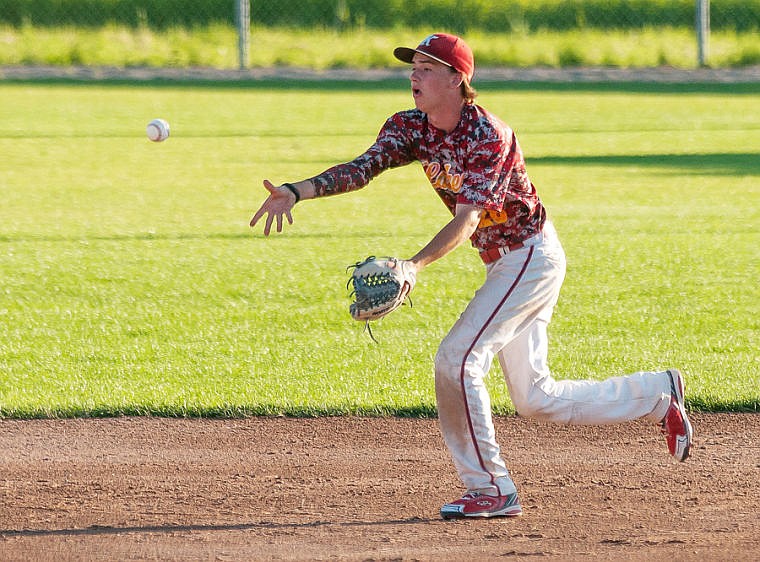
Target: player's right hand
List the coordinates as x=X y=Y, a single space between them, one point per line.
x=279 y=203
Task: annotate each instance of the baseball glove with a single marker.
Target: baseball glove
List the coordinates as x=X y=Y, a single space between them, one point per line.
x=380 y=286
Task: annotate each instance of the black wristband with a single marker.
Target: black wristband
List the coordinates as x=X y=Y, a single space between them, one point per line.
x=293 y=190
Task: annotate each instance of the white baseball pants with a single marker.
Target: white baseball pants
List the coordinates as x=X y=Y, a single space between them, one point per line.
x=508 y=317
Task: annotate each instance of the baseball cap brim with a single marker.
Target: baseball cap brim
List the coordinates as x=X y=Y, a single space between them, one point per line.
x=405 y=54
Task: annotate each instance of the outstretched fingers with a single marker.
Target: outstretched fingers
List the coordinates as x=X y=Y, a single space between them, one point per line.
x=275 y=206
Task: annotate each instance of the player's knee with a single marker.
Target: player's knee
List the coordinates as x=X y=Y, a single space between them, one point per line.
x=540 y=406
x=443 y=366
x=534 y=410
x=448 y=363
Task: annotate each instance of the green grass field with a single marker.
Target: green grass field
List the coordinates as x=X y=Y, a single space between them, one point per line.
x=132 y=284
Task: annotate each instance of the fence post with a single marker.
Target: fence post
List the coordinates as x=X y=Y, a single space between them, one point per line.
x=243 y=20
x=703 y=30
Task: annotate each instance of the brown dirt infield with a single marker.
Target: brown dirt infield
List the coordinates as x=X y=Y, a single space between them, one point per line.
x=368 y=489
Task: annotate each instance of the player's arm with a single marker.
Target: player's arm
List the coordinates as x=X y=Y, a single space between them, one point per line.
x=456 y=232
x=389 y=150
x=342 y=178
x=280 y=202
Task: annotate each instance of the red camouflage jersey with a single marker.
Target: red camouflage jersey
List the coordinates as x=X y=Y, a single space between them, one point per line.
x=479 y=163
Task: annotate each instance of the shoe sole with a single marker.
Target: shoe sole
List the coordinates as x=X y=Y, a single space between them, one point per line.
x=511 y=511
x=683 y=446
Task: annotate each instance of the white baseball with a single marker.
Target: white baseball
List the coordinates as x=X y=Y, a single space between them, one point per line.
x=158 y=130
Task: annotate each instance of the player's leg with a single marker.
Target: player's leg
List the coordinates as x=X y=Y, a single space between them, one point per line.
x=517 y=288
x=657 y=396
x=464 y=415
x=535 y=393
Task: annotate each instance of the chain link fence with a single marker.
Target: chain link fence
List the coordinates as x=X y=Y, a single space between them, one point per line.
x=492 y=16
x=506 y=15
x=460 y=16
x=456 y=15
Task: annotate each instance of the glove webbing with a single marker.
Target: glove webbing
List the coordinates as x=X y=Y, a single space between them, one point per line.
x=374 y=290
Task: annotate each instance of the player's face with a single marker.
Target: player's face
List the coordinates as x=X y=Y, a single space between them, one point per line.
x=432 y=83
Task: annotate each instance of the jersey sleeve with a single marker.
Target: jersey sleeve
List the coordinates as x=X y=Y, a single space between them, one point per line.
x=391 y=149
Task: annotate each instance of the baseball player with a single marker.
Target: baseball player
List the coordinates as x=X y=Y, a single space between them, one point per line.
x=475 y=165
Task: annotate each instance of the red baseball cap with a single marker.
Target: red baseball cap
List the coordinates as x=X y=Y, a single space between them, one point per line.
x=448 y=49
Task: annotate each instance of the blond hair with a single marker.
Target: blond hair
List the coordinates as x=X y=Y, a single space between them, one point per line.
x=468 y=92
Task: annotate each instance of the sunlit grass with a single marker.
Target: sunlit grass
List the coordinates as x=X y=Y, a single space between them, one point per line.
x=131 y=283
x=216 y=46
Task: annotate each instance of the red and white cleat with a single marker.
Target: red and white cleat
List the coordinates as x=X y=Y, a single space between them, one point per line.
x=676 y=425
x=473 y=504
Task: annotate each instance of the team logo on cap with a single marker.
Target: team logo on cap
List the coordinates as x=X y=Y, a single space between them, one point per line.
x=426 y=41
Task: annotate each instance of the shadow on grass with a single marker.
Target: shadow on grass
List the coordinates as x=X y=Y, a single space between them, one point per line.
x=735 y=164
x=246 y=233
x=402 y=84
